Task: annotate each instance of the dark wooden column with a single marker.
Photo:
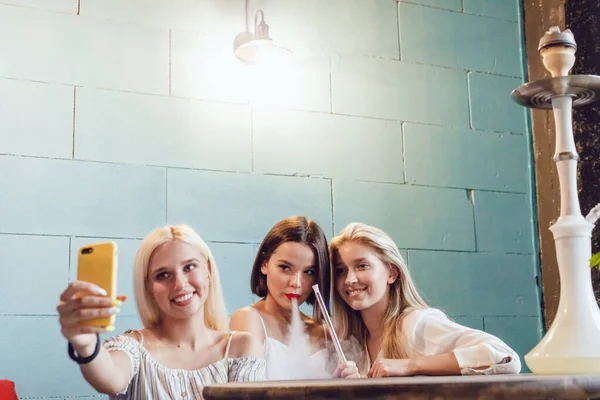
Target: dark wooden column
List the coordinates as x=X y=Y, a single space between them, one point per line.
x=583 y=18
x=539 y=15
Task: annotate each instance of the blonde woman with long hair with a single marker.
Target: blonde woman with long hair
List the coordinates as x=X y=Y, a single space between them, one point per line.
x=376 y=302
x=183 y=345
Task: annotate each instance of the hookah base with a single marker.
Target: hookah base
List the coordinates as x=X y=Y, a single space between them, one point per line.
x=541 y=365
x=572 y=344
x=570 y=347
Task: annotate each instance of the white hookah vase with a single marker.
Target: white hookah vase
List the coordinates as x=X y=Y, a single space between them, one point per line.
x=572 y=344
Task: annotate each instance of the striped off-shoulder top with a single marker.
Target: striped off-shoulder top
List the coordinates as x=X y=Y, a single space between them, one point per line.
x=152 y=381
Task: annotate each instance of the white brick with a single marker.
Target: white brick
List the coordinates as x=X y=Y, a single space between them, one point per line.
x=67 y=6
x=154 y=130
x=347 y=26
x=327 y=145
x=229 y=207
x=56 y=376
x=303 y=83
x=398 y=90
x=477 y=284
x=438 y=156
x=42 y=196
x=460 y=41
x=71 y=49
x=224 y=17
x=416 y=217
x=235 y=262
x=205 y=67
x=35 y=271
x=36 y=119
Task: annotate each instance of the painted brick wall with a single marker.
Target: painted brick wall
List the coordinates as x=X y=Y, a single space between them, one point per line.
x=118 y=117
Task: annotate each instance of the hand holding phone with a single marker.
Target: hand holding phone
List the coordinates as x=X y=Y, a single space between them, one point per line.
x=97 y=264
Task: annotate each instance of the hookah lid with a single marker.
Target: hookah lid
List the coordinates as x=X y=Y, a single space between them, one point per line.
x=554 y=37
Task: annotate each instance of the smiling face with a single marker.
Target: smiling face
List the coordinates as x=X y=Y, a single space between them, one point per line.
x=178 y=279
x=362 y=280
x=290 y=272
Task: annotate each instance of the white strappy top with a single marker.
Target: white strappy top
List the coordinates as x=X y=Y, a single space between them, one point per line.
x=283 y=363
x=150 y=380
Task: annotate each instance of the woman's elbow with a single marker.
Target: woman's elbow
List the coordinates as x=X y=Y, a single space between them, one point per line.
x=110 y=390
x=509 y=365
x=515 y=364
x=110 y=387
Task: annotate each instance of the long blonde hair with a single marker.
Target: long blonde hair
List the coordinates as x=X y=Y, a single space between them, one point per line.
x=215 y=312
x=403 y=295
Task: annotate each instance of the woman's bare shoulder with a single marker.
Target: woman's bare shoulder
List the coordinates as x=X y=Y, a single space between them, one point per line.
x=141 y=335
x=245 y=344
x=246 y=319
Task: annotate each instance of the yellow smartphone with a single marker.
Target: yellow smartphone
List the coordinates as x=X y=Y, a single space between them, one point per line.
x=97 y=264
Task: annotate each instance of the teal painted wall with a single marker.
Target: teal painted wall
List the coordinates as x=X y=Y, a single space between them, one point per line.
x=123 y=116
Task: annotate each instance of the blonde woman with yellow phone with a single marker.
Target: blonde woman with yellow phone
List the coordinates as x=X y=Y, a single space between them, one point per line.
x=184 y=345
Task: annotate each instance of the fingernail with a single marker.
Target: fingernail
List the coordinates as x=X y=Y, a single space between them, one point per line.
x=100 y=291
x=116 y=303
x=115 y=310
x=110 y=328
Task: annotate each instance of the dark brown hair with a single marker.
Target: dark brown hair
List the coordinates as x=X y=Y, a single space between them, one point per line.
x=301 y=230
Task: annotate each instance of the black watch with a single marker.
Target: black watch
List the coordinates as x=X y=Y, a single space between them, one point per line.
x=84 y=360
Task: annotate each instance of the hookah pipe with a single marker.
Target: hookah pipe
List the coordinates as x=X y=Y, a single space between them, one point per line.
x=334 y=337
x=336 y=342
x=572 y=344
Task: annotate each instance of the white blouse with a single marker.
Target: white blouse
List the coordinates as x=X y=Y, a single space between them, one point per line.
x=429 y=332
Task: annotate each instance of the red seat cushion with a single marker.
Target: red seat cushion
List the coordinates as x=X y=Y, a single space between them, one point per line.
x=7 y=390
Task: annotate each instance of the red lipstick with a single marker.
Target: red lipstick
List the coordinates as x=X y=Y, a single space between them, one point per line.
x=292 y=296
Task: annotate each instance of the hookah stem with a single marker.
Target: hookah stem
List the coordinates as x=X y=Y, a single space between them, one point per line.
x=334 y=337
x=566 y=153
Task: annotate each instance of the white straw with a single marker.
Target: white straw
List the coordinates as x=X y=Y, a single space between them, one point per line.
x=336 y=341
